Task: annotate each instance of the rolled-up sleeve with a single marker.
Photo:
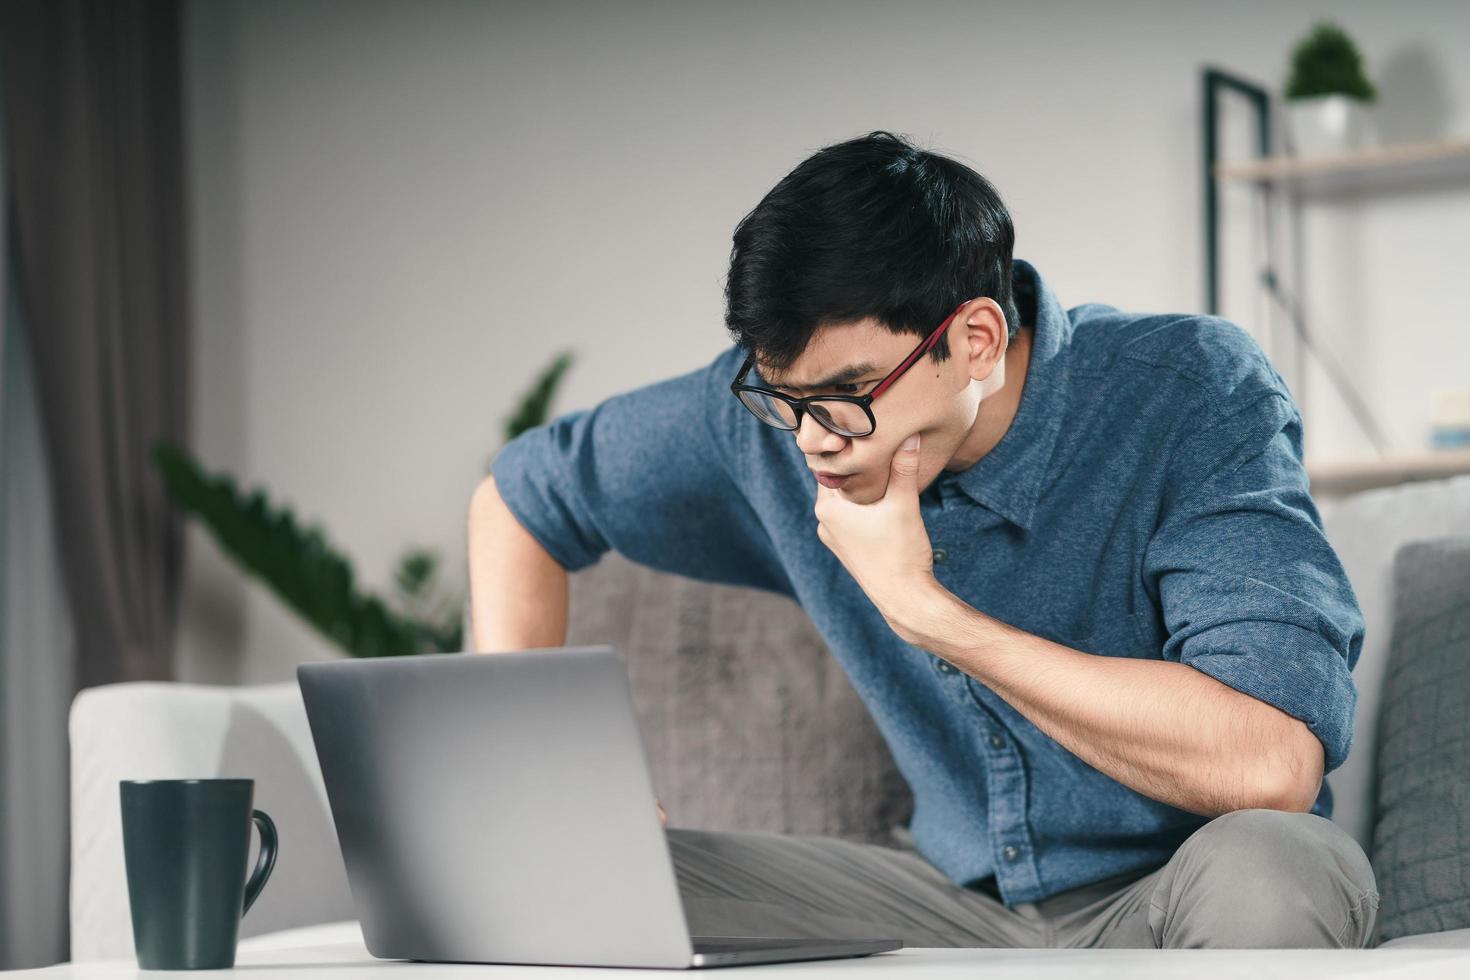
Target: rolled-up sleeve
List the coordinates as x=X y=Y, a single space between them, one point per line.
x=1250 y=591
x=652 y=474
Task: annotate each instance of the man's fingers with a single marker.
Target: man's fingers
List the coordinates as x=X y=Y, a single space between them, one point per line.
x=826 y=497
x=905 y=475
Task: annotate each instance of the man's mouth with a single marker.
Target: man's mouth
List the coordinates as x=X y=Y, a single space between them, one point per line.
x=832 y=481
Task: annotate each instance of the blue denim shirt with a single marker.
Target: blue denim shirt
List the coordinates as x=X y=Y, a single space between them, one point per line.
x=1148 y=500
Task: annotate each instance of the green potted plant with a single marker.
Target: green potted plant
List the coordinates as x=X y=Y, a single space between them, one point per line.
x=308 y=572
x=1328 y=95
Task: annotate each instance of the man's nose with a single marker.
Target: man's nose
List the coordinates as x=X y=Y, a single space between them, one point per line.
x=813 y=438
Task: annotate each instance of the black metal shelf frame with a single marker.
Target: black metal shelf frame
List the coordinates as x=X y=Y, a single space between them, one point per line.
x=1215 y=83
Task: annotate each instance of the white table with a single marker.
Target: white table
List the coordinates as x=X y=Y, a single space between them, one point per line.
x=336 y=952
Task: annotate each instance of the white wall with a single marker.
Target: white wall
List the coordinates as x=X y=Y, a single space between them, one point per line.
x=403 y=209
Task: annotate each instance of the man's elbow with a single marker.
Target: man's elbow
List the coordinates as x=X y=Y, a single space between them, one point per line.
x=1293 y=777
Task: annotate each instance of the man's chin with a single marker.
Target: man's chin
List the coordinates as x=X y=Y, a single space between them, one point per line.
x=860 y=493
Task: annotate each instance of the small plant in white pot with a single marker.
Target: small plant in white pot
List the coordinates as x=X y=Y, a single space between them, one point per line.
x=1328 y=97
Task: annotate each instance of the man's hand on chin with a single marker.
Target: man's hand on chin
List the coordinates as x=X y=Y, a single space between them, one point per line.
x=884 y=545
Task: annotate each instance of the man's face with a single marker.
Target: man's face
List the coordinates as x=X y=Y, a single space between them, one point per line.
x=936 y=400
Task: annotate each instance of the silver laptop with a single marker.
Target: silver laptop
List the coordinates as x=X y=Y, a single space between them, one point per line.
x=497 y=808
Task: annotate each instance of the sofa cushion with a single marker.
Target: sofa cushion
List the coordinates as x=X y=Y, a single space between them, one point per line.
x=1366 y=529
x=1421 y=839
x=749 y=722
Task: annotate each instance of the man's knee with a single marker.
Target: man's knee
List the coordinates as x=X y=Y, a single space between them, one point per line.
x=1267 y=879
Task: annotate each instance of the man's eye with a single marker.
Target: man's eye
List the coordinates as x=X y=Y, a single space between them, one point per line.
x=840 y=389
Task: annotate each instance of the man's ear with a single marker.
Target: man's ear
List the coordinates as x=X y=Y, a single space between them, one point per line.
x=985 y=343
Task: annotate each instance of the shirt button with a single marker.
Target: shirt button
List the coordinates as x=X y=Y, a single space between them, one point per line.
x=945 y=667
x=940 y=556
x=1011 y=852
x=996 y=742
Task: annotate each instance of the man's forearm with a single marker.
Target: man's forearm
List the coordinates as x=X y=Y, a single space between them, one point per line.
x=1159 y=727
x=518 y=592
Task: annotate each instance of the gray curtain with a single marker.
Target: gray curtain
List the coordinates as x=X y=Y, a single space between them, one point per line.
x=35 y=676
x=93 y=359
x=93 y=123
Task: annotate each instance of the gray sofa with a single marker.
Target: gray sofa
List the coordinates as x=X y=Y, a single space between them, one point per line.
x=751 y=725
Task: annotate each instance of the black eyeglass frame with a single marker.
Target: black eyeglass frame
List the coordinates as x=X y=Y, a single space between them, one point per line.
x=865 y=402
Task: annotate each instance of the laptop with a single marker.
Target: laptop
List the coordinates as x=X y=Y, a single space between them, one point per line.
x=497 y=808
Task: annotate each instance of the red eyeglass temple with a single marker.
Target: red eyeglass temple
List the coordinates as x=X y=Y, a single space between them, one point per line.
x=919 y=352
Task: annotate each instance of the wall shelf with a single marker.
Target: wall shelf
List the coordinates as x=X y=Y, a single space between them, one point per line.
x=1382 y=167
x=1366 y=167
x=1346 y=475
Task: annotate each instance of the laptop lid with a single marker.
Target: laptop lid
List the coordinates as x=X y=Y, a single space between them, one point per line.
x=496 y=808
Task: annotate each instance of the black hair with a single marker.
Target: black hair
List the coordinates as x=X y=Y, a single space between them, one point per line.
x=871 y=227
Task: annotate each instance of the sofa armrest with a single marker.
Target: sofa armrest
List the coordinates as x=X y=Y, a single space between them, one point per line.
x=156 y=730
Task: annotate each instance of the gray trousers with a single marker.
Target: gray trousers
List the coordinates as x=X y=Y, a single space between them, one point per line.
x=1251 y=879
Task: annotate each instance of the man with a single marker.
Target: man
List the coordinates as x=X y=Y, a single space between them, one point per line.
x=1068 y=559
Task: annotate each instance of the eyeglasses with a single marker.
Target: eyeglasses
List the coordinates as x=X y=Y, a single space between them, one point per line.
x=846 y=415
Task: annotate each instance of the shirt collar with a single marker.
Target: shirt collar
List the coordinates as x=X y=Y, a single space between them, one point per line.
x=1008 y=480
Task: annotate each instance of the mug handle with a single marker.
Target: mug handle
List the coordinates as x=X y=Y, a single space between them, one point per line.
x=265 y=862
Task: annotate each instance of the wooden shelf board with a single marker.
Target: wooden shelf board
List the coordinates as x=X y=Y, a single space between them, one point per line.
x=1338 y=475
x=1433 y=157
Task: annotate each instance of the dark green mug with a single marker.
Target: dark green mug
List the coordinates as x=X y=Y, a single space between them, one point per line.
x=185 y=842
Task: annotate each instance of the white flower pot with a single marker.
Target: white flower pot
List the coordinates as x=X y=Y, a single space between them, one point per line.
x=1325 y=124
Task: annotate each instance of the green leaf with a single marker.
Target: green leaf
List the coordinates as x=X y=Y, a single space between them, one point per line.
x=536 y=404
x=415 y=570
x=421 y=599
